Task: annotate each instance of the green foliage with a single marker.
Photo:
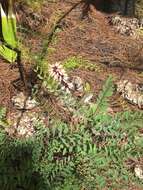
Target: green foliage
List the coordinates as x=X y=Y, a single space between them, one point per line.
x=139 y=8
x=78 y=62
x=34 y=4
x=73 y=63
x=2 y=113
x=102 y=101
x=3 y=122
x=139 y=31
x=90 y=155
x=8 y=25
x=42 y=70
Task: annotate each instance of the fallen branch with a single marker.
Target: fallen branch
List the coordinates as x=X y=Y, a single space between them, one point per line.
x=118 y=65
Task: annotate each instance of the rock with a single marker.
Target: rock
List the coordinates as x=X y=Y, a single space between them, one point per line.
x=125 y=26
x=78 y=84
x=23 y=125
x=87 y=98
x=20 y=101
x=138 y=171
x=130 y=92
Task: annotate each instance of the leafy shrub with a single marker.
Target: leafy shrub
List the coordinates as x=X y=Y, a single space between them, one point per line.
x=91 y=155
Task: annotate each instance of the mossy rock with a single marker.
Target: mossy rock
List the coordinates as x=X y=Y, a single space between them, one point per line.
x=139 y=8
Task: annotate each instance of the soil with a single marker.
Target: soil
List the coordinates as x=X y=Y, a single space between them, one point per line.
x=91 y=38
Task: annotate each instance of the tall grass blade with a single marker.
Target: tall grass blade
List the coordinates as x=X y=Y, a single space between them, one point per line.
x=8 y=24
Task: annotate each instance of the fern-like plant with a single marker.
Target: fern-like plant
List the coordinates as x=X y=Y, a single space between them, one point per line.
x=93 y=154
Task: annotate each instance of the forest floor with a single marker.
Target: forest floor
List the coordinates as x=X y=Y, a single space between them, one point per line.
x=90 y=38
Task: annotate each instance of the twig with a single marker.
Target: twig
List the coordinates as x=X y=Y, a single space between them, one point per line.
x=118 y=65
x=115 y=64
x=51 y=34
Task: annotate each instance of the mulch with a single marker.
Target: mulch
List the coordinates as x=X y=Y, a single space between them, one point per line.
x=91 y=38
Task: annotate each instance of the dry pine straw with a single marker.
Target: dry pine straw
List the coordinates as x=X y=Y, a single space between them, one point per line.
x=92 y=39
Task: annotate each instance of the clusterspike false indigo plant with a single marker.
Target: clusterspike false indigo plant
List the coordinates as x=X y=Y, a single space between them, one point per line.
x=59 y=74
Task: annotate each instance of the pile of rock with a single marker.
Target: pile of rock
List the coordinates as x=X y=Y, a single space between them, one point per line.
x=126 y=26
x=131 y=92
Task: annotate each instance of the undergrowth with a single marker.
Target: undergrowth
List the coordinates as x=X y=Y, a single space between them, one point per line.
x=79 y=62
x=3 y=122
x=94 y=154
x=99 y=151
